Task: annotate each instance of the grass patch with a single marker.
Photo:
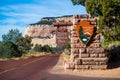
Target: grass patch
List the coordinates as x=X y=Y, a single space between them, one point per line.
x=25 y=56
x=65 y=56
x=4 y=59
x=36 y=54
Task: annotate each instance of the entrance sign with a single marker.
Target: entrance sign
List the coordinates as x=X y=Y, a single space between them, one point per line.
x=85 y=31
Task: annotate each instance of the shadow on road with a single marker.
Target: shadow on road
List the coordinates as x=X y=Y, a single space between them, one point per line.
x=114 y=60
x=49 y=76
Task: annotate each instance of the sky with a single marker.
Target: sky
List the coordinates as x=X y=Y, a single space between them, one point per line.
x=17 y=14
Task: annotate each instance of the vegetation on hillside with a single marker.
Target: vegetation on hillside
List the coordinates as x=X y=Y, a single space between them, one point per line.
x=48 y=49
x=45 y=22
x=48 y=20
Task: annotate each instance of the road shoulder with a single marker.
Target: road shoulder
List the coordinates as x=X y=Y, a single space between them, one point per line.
x=109 y=73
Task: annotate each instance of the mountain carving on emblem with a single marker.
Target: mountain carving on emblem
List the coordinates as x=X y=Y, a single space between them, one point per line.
x=85 y=31
x=87 y=34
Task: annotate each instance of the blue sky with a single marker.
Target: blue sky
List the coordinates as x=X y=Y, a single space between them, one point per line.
x=17 y=14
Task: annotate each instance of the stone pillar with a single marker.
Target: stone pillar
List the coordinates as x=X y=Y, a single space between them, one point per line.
x=90 y=56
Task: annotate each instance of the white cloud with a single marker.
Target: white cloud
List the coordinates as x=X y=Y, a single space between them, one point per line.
x=27 y=13
x=20 y=15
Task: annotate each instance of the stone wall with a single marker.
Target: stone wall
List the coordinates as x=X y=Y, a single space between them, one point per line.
x=62 y=32
x=90 y=56
x=62 y=36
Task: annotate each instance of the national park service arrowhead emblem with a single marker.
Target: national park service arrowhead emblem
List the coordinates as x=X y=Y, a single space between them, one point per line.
x=85 y=31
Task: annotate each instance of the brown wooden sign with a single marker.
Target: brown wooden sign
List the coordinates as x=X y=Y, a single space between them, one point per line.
x=85 y=31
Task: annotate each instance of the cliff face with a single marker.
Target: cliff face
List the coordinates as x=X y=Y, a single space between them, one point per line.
x=53 y=31
x=44 y=28
x=40 y=31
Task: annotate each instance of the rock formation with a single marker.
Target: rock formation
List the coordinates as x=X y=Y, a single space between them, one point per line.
x=45 y=32
x=86 y=56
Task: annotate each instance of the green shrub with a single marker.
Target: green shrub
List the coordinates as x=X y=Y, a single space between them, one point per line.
x=14 y=45
x=36 y=48
x=8 y=50
x=110 y=44
x=24 y=44
x=46 y=48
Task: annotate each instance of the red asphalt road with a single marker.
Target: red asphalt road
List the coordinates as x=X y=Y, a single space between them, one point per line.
x=37 y=69
x=27 y=69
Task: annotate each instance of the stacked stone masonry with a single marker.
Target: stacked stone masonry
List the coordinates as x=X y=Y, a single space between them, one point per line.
x=90 y=56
